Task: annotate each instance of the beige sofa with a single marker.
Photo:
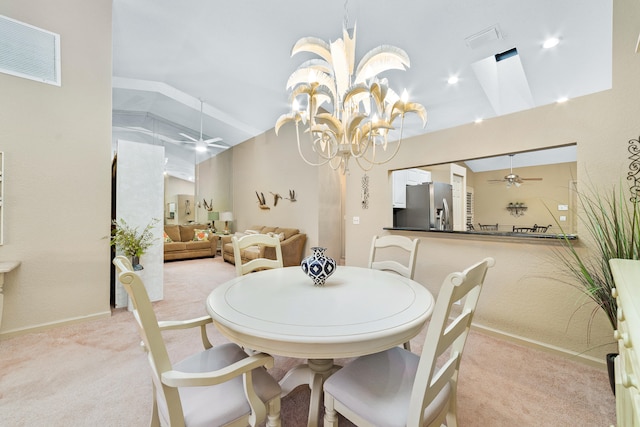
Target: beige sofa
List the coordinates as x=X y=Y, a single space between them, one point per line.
x=291 y=241
x=184 y=246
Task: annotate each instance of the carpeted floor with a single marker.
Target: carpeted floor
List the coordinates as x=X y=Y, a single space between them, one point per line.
x=96 y=374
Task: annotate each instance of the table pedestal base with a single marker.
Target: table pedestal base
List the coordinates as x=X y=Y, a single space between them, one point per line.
x=313 y=373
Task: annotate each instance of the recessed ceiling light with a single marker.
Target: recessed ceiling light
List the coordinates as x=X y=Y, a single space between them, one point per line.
x=452 y=80
x=478 y=120
x=551 y=42
x=562 y=99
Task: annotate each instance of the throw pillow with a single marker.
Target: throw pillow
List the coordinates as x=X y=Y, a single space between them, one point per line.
x=166 y=237
x=200 y=235
x=250 y=232
x=280 y=236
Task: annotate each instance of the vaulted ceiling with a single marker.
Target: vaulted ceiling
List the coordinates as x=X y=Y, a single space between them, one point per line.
x=235 y=56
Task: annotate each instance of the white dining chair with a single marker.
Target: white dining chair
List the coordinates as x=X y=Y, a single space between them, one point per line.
x=399 y=388
x=402 y=244
x=254 y=247
x=408 y=247
x=219 y=386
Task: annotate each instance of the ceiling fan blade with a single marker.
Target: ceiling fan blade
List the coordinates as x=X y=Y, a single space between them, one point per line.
x=210 y=140
x=133 y=129
x=196 y=146
x=217 y=146
x=188 y=137
x=531 y=179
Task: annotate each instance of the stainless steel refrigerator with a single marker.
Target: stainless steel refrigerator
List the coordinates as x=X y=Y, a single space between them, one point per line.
x=428 y=207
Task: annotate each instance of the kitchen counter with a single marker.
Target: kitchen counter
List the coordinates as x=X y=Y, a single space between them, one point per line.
x=510 y=234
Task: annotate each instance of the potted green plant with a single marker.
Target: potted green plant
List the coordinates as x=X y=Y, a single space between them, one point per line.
x=132 y=242
x=612 y=225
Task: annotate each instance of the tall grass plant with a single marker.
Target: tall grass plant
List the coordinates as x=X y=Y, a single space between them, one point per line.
x=611 y=222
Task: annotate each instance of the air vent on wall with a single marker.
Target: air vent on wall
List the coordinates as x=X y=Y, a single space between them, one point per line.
x=29 y=52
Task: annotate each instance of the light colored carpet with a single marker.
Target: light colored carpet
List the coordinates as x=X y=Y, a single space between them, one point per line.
x=96 y=374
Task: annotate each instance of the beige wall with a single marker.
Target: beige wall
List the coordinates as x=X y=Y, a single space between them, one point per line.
x=214 y=183
x=57 y=143
x=271 y=164
x=541 y=197
x=173 y=188
x=520 y=297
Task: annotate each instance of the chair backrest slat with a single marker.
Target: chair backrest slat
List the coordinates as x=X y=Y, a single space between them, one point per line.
x=446 y=336
x=488 y=227
x=169 y=404
x=259 y=241
x=393 y=241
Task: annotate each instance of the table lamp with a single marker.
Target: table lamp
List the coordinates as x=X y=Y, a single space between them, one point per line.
x=226 y=217
x=213 y=217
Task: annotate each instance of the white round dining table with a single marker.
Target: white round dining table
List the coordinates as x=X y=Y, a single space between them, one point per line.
x=358 y=311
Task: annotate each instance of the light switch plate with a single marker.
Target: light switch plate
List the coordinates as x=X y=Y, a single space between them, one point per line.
x=563 y=218
x=356 y=220
x=563 y=207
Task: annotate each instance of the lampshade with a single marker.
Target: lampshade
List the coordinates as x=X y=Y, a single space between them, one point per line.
x=226 y=217
x=213 y=216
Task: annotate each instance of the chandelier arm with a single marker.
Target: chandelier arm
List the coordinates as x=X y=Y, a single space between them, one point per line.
x=314 y=145
x=364 y=167
x=363 y=152
x=302 y=155
x=395 y=151
x=335 y=166
x=373 y=162
x=370 y=143
x=399 y=142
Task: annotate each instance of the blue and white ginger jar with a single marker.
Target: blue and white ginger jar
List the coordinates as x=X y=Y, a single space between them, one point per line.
x=318 y=266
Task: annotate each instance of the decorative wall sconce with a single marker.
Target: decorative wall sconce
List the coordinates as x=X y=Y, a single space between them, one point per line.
x=516 y=209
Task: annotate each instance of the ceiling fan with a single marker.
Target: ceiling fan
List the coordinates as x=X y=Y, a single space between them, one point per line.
x=512 y=178
x=202 y=145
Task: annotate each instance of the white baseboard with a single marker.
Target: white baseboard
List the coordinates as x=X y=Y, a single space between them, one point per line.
x=45 y=326
x=569 y=354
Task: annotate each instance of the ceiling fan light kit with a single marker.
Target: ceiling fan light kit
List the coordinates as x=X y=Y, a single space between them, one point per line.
x=512 y=178
x=201 y=145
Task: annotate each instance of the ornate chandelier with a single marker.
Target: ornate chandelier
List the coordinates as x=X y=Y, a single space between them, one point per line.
x=346 y=114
